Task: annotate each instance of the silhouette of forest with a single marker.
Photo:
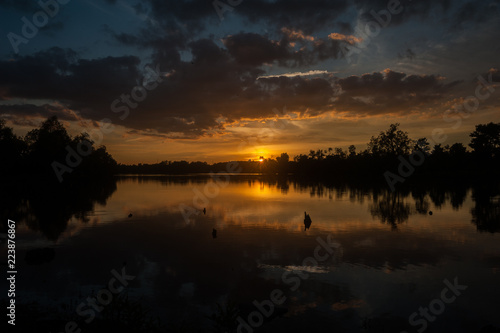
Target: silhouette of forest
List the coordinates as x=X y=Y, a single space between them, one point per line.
x=392 y=155
x=46 y=151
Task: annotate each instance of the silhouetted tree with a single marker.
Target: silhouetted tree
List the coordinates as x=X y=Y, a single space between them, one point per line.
x=457 y=150
x=422 y=145
x=339 y=153
x=283 y=160
x=50 y=145
x=269 y=166
x=486 y=140
x=316 y=154
x=46 y=145
x=392 y=142
x=352 y=150
x=438 y=150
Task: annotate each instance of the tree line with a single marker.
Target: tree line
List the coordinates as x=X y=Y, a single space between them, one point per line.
x=383 y=154
x=37 y=155
x=391 y=151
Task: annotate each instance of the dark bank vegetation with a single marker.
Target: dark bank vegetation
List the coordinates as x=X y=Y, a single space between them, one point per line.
x=392 y=155
x=45 y=150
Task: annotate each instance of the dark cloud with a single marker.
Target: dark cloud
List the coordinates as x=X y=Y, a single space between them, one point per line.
x=310 y=96
x=308 y=16
x=293 y=50
x=29 y=114
x=147 y=133
x=254 y=49
x=59 y=74
x=173 y=27
x=166 y=43
x=195 y=99
x=200 y=97
x=391 y=92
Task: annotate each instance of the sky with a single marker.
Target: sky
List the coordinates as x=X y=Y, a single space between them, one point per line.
x=223 y=80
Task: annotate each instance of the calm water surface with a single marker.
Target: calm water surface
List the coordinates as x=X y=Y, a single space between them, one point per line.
x=390 y=255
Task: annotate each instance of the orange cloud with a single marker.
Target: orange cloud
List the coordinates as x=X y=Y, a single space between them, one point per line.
x=348 y=38
x=296 y=34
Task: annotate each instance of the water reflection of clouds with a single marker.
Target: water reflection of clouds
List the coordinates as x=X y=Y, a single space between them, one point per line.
x=260 y=238
x=253 y=202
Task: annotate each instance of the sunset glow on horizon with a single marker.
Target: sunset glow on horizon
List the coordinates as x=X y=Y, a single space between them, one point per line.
x=212 y=86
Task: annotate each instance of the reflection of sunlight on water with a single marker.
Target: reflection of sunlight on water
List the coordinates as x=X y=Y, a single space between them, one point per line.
x=261 y=236
x=255 y=203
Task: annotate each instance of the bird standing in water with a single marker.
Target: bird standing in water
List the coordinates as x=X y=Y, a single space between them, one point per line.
x=204 y=211
x=214 y=233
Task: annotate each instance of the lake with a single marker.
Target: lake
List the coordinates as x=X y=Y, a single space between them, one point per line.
x=371 y=260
